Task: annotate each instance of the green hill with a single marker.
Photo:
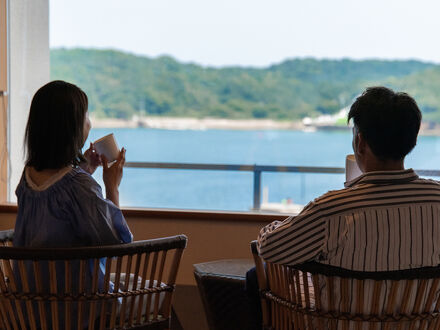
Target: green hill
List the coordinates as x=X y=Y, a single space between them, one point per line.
x=424 y=86
x=121 y=85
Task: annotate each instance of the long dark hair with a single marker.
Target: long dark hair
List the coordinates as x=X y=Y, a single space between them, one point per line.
x=54 y=131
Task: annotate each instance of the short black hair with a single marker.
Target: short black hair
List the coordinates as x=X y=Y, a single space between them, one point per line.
x=388 y=121
x=54 y=131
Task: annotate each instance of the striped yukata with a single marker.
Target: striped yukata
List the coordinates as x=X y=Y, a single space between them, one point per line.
x=381 y=221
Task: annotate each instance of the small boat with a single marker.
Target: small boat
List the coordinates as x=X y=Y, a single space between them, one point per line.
x=286 y=205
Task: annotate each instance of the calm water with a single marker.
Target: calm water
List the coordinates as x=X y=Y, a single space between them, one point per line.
x=215 y=190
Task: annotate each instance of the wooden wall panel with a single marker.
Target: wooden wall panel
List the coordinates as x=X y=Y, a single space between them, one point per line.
x=211 y=236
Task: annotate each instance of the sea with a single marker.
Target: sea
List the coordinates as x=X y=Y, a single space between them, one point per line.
x=233 y=191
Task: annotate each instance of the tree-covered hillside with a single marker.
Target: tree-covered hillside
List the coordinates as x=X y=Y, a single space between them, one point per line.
x=122 y=85
x=424 y=86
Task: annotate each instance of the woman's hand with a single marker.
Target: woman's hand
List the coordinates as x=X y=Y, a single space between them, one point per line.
x=93 y=160
x=112 y=176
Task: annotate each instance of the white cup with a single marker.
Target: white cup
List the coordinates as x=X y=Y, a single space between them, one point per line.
x=108 y=147
x=352 y=169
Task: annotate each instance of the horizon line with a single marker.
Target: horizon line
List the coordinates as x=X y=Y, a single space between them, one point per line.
x=223 y=66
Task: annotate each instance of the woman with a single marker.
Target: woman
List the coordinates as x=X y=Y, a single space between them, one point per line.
x=59 y=203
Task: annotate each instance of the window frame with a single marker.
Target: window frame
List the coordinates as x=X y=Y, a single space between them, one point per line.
x=4 y=82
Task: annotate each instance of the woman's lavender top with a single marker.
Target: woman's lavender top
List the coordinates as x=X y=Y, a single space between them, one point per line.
x=71 y=212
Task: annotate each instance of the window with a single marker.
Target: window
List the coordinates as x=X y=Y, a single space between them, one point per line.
x=240 y=83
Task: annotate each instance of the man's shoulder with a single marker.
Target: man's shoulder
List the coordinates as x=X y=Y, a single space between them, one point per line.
x=367 y=194
x=430 y=183
x=334 y=194
x=323 y=202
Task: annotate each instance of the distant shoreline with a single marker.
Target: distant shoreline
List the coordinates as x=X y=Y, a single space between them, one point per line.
x=186 y=123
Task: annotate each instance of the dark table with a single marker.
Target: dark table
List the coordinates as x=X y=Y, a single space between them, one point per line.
x=221 y=285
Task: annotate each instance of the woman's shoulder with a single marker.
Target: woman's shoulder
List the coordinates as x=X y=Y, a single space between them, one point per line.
x=78 y=175
x=80 y=179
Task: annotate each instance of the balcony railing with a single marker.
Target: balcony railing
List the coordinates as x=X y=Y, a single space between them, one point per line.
x=257 y=171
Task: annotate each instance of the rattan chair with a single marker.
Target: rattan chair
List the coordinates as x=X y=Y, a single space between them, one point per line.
x=317 y=296
x=67 y=288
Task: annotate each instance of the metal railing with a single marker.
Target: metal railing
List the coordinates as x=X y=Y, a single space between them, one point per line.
x=256 y=169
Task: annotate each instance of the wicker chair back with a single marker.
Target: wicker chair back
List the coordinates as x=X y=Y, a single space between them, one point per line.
x=126 y=286
x=317 y=296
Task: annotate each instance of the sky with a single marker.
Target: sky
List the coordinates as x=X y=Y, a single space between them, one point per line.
x=251 y=32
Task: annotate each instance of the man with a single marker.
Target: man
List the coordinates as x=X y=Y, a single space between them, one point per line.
x=386 y=219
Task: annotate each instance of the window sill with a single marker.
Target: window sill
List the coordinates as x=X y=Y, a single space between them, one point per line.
x=183 y=214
